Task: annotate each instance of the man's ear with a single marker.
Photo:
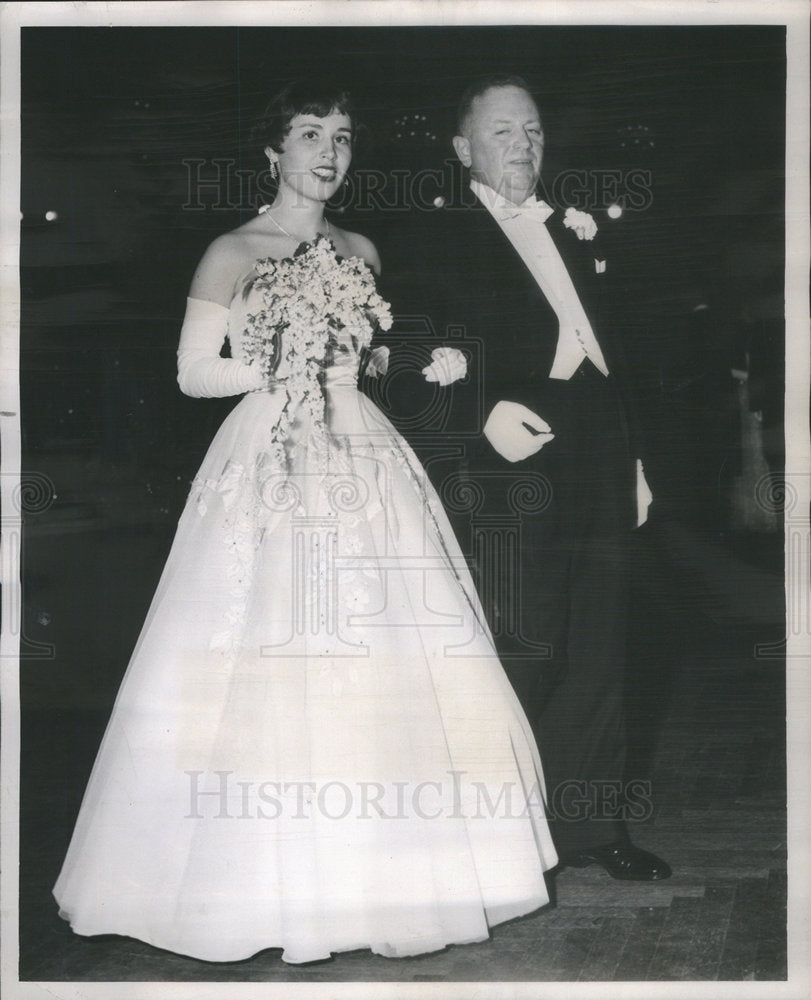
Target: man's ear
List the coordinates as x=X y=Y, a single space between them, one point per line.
x=462 y=146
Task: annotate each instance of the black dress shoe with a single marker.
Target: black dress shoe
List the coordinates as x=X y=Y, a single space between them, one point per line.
x=622 y=860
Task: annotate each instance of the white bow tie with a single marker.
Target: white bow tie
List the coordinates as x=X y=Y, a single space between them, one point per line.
x=534 y=207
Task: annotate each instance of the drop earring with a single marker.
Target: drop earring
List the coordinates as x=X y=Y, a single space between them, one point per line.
x=274 y=169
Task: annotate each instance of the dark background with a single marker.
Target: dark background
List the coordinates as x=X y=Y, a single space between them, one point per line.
x=117 y=122
x=111 y=119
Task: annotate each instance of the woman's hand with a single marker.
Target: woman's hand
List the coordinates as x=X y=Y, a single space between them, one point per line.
x=378 y=362
x=448 y=365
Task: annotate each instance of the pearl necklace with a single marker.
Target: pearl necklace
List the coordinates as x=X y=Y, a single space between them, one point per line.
x=266 y=208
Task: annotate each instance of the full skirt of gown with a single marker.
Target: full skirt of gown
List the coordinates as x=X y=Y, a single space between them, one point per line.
x=314 y=746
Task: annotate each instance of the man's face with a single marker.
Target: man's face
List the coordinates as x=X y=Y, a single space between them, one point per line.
x=503 y=142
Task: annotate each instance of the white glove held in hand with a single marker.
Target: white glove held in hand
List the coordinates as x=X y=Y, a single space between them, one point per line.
x=447 y=365
x=200 y=369
x=515 y=431
x=378 y=362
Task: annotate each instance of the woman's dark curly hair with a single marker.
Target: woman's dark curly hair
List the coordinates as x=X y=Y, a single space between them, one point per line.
x=301 y=97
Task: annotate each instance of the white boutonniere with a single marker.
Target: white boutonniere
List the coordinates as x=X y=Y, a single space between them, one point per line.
x=581 y=222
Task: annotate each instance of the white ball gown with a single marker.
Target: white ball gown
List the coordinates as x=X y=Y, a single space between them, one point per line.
x=314 y=746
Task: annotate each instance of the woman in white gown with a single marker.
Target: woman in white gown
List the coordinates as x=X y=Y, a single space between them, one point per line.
x=314 y=746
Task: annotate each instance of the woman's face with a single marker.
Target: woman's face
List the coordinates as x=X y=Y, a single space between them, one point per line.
x=316 y=155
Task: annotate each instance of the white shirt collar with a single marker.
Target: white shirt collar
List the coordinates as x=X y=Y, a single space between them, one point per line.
x=497 y=205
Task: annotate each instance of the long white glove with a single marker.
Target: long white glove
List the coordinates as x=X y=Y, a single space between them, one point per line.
x=515 y=431
x=200 y=369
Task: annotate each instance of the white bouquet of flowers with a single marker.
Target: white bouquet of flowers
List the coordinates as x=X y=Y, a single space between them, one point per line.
x=307 y=299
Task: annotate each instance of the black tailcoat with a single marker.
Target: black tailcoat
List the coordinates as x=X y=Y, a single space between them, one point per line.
x=547 y=538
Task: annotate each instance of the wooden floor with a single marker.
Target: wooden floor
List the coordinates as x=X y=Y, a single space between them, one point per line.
x=708 y=732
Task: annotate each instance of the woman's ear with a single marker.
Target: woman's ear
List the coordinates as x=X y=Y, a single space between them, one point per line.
x=272 y=155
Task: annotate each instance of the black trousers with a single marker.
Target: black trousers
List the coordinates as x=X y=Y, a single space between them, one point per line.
x=559 y=613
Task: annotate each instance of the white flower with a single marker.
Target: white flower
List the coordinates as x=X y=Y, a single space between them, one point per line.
x=581 y=222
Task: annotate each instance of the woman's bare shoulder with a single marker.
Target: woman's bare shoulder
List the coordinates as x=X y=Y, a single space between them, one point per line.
x=226 y=259
x=360 y=246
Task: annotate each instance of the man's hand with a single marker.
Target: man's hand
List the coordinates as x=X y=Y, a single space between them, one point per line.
x=447 y=365
x=515 y=431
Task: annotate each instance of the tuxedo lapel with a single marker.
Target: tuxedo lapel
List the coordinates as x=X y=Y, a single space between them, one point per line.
x=497 y=298
x=512 y=312
x=579 y=256
x=581 y=259
x=503 y=263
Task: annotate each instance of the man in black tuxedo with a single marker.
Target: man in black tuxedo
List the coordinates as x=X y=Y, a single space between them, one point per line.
x=534 y=455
